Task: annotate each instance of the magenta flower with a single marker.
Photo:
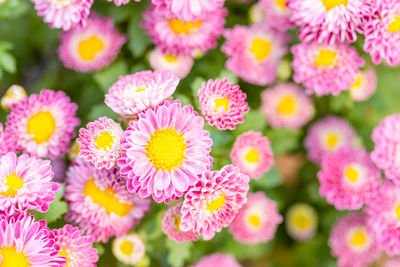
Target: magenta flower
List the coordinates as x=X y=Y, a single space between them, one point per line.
x=7 y=141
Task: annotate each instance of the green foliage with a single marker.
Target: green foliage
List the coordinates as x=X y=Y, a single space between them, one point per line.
x=56 y=210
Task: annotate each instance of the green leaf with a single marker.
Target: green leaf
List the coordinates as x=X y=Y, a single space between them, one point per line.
x=100 y=248
x=7 y=62
x=269 y=180
x=178 y=252
x=101 y=110
x=228 y=74
x=254 y=120
x=56 y=210
x=138 y=39
x=284 y=140
x=106 y=77
x=195 y=86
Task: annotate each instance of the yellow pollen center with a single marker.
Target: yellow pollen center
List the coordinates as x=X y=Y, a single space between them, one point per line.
x=177 y=221
x=398 y=211
x=63 y=252
x=126 y=247
x=325 y=58
x=260 y=48
x=14 y=183
x=301 y=221
x=329 y=4
x=170 y=58
x=9 y=95
x=359 y=238
x=357 y=83
x=254 y=220
x=180 y=27
x=281 y=4
x=332 y=140
x=140 y=90
x=287 y=105
x=104 y=141
x=221 y=102
x=394 y=26
x=89 y=48
x=42 y=126
x=106 y=198
x=351 y=174
x=11 y=258
x=216 y=204
x=252 y=156
x=166 y=149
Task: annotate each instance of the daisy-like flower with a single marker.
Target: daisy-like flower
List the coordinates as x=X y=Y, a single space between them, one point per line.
x=301 y=222
x=180 y=65
x=25 y=183
x=129 y=248
x=277 y=14
x=24 y=242
x=256 y=13
x=100 y=144
x=329 y=21
x=348 y=178
x=325 y=69
x=222 y=104
x=137 y=92
x=352 y=243
x=217 y=259
x=255 y=52
x=170 y=225
x=99 y=202
x=364 y=86
x=13 y=95
x=63 y=14
x=327 y=135
x=73 y=151
x=164 y=151
x=256 y=221
x=214 y=201
x=76 y=248
x=91 y=47
x=252 y=153
x=287 y=106
x=43 y=124
x=386 y=153
x=176 y=36
x=7 y=141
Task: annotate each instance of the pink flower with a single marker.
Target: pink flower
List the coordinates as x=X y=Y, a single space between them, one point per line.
x=287 y=106
x=179 y=65
x=121 y=2
x=222 y=104
x=364 y=86
x=277 y=13
x=214 y=201
x=252 y=153
x=301 y=222
x=254 y=52
x=7 y=141
x=164 y=151
x=217 y=259
x=256 y=221
x=91 y=47
x=100 y=144
x=325 y=69
x=13 y=95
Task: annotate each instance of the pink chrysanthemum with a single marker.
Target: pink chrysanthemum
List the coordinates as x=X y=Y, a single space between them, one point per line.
x=13 y=95
x=170 y=225
x=252 y=153
x=121 y=2
x=99 y=202
x=329 y=21
x=217 y=259
x=364 y=86
x=164 y=151
x=26 y=183
x=63 y=14
x=24 y=242
x=100 y=144
x=137 y=92
x=214 y=201
x=188 y=10
x=222 y=104
x=386 y=153
x=327 y=135
x=256 y=221
x=255 y=52
x=43 y=124
x=352 y=243
x=277 y=14
x=348 y=178
x=325 y=69
x=287 y=106
x=175 y=36
x=7 y=141
x=91 y=47
x=129 y=248
x=180 y=65
x=78 y=249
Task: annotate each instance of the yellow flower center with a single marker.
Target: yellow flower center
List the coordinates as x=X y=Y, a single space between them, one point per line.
x=12 y=259
x=9 y=95
x=104 y=141
x=252 y=156
x=394 y=26
x=216 y=204
x=332 y=140
x=398 y=211
x=281 y=4
x=359 y=238
x=177 y=221
x=170 y=58
x=357 y=83
x=14 y=183
x=106 y=198
x=221 y=102
x=140 y=90
x=351 y=174
x=180 y=27
x=301 y=221
x=42 y=126
x=325 y=58
x=166 y=149
x=63 y=252
x=89 y=48
x=260 y=48
x=126 y=247
x=329 y=4
x=287 y=105
x=254 y=220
